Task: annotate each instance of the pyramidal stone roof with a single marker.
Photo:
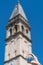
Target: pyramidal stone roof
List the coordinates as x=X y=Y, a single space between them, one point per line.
x=18 y=10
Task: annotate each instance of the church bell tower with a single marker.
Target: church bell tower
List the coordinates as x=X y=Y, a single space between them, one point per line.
x=18 y=47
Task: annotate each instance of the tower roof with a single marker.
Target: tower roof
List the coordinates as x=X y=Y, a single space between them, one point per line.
x=18 y=10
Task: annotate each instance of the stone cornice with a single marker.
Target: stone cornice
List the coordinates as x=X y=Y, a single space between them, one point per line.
x=17 y=33
x=14 y=58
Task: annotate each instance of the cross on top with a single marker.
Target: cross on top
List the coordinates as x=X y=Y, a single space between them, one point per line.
x=18 y=1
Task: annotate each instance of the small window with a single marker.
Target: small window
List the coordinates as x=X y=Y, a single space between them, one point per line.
x=9 y=55
x=16 y=28
x=25 y=41
x=23 y=51
x=10 y=31
x=15 y=52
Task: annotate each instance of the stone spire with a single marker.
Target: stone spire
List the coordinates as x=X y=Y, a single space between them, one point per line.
x=18 y=10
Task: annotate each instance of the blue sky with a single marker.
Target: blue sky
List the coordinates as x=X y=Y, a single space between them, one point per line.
x=34 y=12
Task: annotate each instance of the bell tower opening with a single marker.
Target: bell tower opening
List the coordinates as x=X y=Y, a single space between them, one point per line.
x=22 y=28
x=16 y=28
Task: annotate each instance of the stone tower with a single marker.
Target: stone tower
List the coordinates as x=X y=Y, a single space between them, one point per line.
x=18 y=46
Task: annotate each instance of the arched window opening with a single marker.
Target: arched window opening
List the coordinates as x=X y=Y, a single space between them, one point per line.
x=29 y=59
x=10 y=31
x=22 y=29
x=16 y=28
